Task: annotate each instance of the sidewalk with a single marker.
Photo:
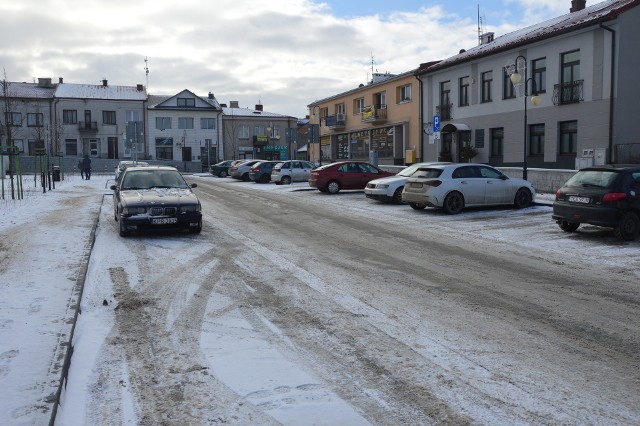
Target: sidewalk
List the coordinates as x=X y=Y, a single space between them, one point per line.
x=45 y=242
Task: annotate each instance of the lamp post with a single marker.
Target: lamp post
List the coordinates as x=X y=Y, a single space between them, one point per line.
x=273 y=148
x=516 y=71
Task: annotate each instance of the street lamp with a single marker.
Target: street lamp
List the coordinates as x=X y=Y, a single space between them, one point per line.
x=273 y=148
x=518 y=75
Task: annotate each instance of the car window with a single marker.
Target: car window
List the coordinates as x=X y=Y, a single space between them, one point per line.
x=367 y=168
x=344 y=168
x=426 y=173
x=593 y=178
x=134 y=181
x=488 y=172
x=308 y=165
x=466 y=172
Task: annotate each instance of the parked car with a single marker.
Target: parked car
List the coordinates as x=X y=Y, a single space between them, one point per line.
x=241 y=170
x=291 y=171
x=333 y=177
x=155 y=197
x=124 y=164
x=221 y=169
x=261 y=171
x=453 y=187
x=389 y=189
x=601 y=196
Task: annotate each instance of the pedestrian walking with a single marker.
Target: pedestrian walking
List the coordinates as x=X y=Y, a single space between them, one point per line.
x=86 y=165
x=81 y=168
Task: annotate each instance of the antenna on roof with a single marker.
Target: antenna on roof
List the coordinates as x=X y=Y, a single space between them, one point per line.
x=372 y=65
x=146 y=71
x=481 y=24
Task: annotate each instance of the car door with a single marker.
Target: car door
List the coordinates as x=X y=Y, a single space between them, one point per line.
x=296 y=172
x=498 y=188
x=285 y=170
x=469 y=182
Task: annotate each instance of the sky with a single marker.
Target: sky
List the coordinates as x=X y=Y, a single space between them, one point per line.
x=283 y=54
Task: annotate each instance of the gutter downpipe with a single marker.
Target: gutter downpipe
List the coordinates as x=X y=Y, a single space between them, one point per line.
x=421 y=118
x=611 y=91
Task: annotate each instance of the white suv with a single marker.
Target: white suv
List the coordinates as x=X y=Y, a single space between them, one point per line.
x=389 y=189
x=291 y=171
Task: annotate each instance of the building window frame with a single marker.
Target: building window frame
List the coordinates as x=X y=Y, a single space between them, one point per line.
x=35 y=119
x=497 y=141
x=404 y=93
x=185 y=123
x=186 y=102
x=108 y=117
x=487 y=83
x=207 y=123
x=358 y=105
x=163 y=123
x=539 y=74
x=536 y=139
x=69 y=116
x=243 y=131
x=463 y=91
x=568 y=137
x=508 y=90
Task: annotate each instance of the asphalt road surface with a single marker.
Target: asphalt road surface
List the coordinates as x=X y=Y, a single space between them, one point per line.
x=494 y=316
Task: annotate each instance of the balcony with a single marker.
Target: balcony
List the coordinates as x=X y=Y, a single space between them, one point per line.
x=88 y=126
x=334 y=122
x=444 y=111
x=568 y=93
x=374 y=114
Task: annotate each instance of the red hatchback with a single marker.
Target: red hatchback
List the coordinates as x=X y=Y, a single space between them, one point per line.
x=333 y=177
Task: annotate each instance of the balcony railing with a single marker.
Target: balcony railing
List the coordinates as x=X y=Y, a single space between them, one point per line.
x=568 y=93
x=335 y=121
x=444 y=111
x=374 y=113
x=88 y=126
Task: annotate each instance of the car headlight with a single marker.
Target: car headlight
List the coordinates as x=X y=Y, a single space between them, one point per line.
x=130 y=211
x=191 y=208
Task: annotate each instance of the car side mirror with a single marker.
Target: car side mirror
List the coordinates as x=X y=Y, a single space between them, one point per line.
x=504 y=177
x=113 y=187
x=194 y=185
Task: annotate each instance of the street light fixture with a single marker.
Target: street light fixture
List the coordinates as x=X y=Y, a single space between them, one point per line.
x=518 y=75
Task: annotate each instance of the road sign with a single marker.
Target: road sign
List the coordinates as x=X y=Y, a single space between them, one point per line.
x=436 y=123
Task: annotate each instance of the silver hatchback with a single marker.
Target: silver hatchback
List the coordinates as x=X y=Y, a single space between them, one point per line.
x=291 y=171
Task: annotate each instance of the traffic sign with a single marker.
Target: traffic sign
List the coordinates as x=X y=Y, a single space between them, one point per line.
x=436 y=123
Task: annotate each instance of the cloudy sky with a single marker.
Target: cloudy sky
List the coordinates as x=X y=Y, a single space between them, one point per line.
x=282 y=53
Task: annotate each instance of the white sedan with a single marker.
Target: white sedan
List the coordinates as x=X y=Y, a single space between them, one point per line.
x=389 y=189
x=453 y=187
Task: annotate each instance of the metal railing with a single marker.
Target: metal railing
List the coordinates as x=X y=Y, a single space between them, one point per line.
x=568 y=93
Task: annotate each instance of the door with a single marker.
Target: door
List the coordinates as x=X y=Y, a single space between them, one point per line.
x=498 y=190
x=112 y=148
x=469 y=181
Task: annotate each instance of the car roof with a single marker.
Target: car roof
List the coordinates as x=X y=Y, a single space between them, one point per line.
x=619 y=168
x=150 y=168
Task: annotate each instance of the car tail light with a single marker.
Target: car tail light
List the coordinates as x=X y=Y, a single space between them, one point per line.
x=558 y=194
x=613 y=197
x=434 y=182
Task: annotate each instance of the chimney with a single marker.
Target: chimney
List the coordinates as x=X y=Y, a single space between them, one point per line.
x=486 y=38
x=234 y=104
x=44 y=82
x=259 y=107
x=60 y=80
x=104 y=82
x=140 y=87
x=577 y=5
x=211 y=95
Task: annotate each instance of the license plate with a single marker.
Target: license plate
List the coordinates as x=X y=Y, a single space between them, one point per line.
x=416 y=185
x=164 y=221
x=583 y=200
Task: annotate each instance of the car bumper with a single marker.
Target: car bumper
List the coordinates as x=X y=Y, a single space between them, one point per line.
x=377 y=194
x=143 y=222
x=575 y=213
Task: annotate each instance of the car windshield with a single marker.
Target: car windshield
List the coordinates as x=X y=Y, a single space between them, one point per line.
x=427 y=173
x=593 y=178
x=153 y=179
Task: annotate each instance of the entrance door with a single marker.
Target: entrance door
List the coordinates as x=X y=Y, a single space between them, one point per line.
x=113 y=148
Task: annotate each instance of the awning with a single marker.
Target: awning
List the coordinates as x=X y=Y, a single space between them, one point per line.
x=455 y=127
x=303 y=149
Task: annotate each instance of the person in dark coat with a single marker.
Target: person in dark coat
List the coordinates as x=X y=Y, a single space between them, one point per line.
x=81 y=168
x=86 y=165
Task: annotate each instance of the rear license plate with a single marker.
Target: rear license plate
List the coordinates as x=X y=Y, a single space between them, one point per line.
x=583 y=200
x=416 y=185
x=164 y=221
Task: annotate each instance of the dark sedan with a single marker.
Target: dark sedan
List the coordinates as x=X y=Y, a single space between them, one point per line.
x=333 y=177
x=221 y=169
x=155 y=197
x=601 y=196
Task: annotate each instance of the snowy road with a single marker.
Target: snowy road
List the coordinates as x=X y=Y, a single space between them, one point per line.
x=296 y=307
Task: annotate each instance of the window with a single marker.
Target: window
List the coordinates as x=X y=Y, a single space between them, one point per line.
x=15 y=118
x=186 y=102
x=539 y=74
x=571 y=85
x=340 y=108
x=497 y=141
x=275 y=132
x=163 y=123
x=243 y=132
x=164 y=148
x=380 y=100
x=19 y=144
x=260 y=131
x=108 y=117
x=568 y=137
x=71 y=146
x=445 y=100
x=208 y=123
x=463 y=98
x=404 y=93
x=508 y=91
x=35 y=119
x=358 y=106
x=185 y=122
x=536 y=139
x=487 y=80
x=70 y=116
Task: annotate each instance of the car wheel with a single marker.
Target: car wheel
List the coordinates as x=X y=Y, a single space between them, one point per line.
x=628 y=228
x=122 y=229
x=416 y=206
x=223 y=174
x=523 y=198
x=245 y=177
x=568 y=226
x=286 y=180
x=265 y=178
x=333 y=187
x=453 y=203
x=397 y=195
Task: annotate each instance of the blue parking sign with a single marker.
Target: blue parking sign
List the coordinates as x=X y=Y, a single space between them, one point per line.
x=436 y=123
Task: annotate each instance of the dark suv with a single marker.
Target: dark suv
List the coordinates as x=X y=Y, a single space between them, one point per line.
x=602 y=196
x=261 y=171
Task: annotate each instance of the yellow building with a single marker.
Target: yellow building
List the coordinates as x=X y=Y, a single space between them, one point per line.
x=377 y=122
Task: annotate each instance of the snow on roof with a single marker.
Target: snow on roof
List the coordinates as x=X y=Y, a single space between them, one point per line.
x=572 y=21
x=100 y=91
x=247 y=112
x=29 y=90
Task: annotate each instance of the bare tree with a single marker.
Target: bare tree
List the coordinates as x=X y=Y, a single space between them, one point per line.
x=11 y=123
x=231 y=126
